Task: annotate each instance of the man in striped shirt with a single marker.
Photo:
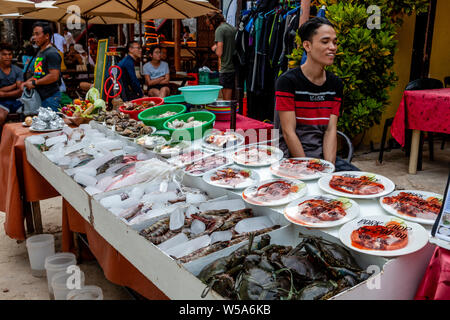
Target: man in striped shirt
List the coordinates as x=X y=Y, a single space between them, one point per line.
x=308 y=98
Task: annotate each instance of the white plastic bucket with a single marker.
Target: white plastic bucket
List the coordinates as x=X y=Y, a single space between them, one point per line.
x=86 y=293
x=39 y=247
x=56 y=263
x=60 y=284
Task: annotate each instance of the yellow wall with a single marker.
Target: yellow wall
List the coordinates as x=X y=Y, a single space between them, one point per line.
x=402 y=67
x=439 y=61
x=440 y=49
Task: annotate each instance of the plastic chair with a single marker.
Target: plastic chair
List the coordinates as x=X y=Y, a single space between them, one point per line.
x=346 y=150
x=418 y=84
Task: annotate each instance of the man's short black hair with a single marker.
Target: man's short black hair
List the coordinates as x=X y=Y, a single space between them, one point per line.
x=153 y=48
x=6 y=46
x=46 y=28
x=308 y=29
x=129 y=44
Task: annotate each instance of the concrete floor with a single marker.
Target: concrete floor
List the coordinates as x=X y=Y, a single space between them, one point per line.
x=17 y=283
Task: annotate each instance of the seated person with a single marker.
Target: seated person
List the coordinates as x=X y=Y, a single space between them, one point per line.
x=157 y=75
x=72 y=57
x=187 y=34
x=308 y=99
x=131 y=88
x=11 y=78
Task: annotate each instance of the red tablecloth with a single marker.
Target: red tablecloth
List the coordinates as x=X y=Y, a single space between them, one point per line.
x=15 y=171
x=435 y=284
x=248 y=126
x=426 y=110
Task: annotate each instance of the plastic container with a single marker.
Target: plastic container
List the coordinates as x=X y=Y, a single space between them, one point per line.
x=134 y=114
x=60 y=286
x=57 y=263
x=86 y=293
x=179 y=98
x=222 y=109
x=200 y=94
x=193 y=82
x=40 y=247
x=158 y=123
x=192 y=133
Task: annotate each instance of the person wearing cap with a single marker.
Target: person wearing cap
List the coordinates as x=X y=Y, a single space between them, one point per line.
x=84 y=57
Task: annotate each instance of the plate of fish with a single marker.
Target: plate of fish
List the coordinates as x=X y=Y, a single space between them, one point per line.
x=356 y=184
x=231 y=177
x=257 y=156
x=322 y=211
x=151 y=141
x=274 y=192
x=384 y=236
x=172 y=148
x=414 y=205
x=301 y=168
x=204 y=165
x=219 y=140
x=189 y=157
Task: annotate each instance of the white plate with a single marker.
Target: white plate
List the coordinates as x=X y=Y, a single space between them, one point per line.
x=417 y=235
x=242 y=156
x=324 y=184
x=291 y=212
x=185 y=145
x=301 y=172
x=199 y=166
x=252 y=179
x=189 y=156
x=45 y=130
x=25 y=124
x=240 y=140
x=151 y=138
x=422 y=194
x=248 y=193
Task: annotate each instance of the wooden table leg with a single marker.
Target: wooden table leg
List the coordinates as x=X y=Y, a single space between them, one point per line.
x=414 y=152
x=28 y=214
x=36 y=211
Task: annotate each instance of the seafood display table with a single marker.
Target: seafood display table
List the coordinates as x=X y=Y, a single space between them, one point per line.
x=178 y=281
x=391 y=283
x=22 y=185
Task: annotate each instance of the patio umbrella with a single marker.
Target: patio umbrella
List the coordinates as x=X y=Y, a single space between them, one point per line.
x=60 y=15
x=12 y=6
x=145 y=9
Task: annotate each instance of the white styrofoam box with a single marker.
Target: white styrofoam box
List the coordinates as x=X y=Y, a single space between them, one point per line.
x=288 y=236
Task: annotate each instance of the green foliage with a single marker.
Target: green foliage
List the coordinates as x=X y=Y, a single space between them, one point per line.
x=365 y=58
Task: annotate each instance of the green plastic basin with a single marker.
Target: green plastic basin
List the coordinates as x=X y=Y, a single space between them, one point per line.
x=191 y=133
x=201 y=94
x=179 y=98
x=158 y=123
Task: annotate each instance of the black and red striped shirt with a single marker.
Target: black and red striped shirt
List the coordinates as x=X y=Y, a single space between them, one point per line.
x=312 y=104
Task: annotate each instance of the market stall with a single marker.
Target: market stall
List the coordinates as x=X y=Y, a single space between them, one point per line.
x=113 y=210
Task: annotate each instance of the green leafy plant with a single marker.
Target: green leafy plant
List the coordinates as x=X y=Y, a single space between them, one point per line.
x=365 y=58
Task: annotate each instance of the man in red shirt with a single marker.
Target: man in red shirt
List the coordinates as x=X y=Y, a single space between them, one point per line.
x=309 y=98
